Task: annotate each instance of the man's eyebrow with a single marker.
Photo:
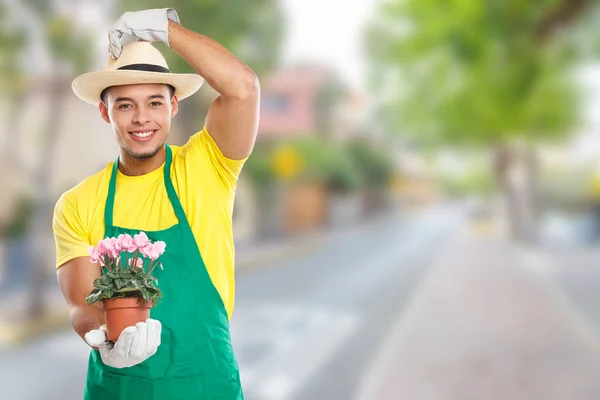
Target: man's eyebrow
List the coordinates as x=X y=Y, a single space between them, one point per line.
x=123 y=99
x=154 y=96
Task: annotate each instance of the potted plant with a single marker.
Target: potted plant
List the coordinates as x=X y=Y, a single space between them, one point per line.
x=126 y=287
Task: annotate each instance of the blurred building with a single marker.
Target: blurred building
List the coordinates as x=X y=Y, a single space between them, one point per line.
x=308 y=100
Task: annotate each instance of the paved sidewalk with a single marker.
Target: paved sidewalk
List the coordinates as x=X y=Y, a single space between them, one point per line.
x=483 y=327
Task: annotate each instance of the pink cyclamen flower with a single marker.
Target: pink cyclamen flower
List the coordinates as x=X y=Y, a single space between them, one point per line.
x=141 y=240
x=125 y=243
x=111 y=247
x=94 y=254
x=101 y=248
x=136 y=262
x=153 y=251
x=97 y=253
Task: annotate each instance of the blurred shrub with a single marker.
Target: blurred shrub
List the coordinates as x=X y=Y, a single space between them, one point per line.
x=569 y=188
x=258 y=167
x=344 y=168
x=477 y=181
x=376 y=165
x=327 y=163
x=17 y=225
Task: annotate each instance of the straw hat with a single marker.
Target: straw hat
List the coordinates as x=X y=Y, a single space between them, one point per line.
x=140 y=62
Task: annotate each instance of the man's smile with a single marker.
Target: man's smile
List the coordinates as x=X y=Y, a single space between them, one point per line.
x=142 y=135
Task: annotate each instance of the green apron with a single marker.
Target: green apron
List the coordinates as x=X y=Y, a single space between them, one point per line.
x=195 y=360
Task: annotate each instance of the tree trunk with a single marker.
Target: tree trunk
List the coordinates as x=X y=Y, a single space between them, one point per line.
x=505 y=158
x=42 y=217
x=532 y=199
x=12 y=133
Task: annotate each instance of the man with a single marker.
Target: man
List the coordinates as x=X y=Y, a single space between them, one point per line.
x=181 y=195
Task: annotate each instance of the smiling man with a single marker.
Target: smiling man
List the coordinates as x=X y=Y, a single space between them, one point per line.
x=182 y=195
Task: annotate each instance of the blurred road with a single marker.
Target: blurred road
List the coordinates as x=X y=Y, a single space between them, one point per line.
x=305 y=328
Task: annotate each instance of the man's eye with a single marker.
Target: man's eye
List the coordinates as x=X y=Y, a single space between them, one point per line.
x=123 y=106
x=156 y=104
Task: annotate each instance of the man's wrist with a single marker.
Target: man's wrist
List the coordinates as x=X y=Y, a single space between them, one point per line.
x=172 y=25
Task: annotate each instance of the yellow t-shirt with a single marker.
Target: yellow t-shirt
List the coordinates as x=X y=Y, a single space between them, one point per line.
x=205 y=182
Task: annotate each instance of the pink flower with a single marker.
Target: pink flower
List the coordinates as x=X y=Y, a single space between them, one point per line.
x=111 y=247
x=153 y=251
x=101 y=248
x=125 y=243
x=97 y=253
x=94 y=254
x=159 y=248
x=141 y=240
x=136 y=262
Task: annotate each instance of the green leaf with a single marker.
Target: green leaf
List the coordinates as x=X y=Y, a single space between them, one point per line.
x=112 y=275
x=93 y=297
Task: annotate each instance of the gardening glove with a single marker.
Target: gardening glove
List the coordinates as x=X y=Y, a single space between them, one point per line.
x=135 y=344
x=147 y=25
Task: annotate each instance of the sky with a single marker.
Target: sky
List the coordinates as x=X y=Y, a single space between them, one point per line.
x=328 y=31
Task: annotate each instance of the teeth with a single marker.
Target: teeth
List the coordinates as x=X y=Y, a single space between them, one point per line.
x=142 y=134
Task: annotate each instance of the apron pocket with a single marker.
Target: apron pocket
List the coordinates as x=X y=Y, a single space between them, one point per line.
x=105 y=385
x=123 y=387
x=189 y=388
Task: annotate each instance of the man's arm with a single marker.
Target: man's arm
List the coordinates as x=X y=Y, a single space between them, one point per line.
x=75 y=279
x=232 y=119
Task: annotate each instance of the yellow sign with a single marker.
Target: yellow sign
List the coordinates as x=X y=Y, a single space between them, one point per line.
x=595 y=188
x=286 y=162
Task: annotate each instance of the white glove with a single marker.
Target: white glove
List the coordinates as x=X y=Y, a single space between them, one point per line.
x=148 y=25
x=135 y=344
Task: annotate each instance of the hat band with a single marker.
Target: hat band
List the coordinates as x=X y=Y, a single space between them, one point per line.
x=146 y=67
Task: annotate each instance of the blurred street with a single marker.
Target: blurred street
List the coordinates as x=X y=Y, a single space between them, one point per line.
x=373 y=313
x=306 y=328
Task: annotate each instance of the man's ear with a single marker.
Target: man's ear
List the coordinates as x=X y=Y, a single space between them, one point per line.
x=104 y=112
x=174 y=106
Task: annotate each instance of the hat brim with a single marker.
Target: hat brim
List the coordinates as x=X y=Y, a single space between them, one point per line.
x=89 y=86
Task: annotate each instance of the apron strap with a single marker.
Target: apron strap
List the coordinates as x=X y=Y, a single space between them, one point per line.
x=173 y=198
x=110 y=199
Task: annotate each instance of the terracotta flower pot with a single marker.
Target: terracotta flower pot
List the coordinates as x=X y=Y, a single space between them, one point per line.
x=123 y=312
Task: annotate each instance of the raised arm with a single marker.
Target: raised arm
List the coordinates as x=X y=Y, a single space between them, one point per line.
x=75 y=279
x=233 y=117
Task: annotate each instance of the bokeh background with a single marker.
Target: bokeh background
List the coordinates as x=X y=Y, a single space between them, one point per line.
x=420 y=218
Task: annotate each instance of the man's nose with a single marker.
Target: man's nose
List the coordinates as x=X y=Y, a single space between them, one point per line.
x=141 y=115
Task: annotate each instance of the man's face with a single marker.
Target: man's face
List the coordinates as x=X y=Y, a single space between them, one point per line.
x=140 y=116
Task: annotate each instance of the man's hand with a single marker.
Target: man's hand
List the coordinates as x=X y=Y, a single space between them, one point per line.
x=148 y=25
x=135 y=344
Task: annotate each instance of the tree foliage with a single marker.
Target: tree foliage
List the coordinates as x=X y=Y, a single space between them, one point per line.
x=476 y=72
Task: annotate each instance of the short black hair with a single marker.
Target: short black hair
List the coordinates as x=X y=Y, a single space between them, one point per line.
x=105 y=92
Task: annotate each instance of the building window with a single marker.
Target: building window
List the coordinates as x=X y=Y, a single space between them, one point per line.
x=275 y=103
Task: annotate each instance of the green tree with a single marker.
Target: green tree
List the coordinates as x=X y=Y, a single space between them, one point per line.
x=480 y=73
